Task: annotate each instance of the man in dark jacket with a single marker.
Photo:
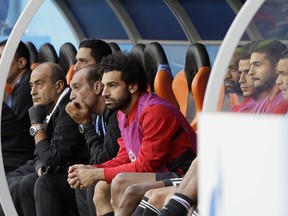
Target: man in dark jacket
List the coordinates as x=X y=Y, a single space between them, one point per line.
x=17 y=89
x=98 y=124
x=58 y=145
x=17 y=148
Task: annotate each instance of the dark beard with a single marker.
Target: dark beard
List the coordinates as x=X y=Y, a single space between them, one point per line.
x=233 y=88
x=269 y=84
x=121 y=103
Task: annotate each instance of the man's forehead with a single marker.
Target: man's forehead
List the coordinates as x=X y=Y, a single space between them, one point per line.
x=244 y=63
x=112 y=75
x=283 y=64
x=84 y=51
x=42 y=73
x=78 y=77
x=258 y=56
x=36 y=78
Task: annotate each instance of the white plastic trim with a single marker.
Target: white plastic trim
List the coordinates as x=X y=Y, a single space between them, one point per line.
x=5 y=62
x=226 y=50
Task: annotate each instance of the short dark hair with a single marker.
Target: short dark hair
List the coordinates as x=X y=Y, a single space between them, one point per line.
x=57 y=72
x=284 y=54
x=21 y=51
x=272 y=49
x=93 y=74
x=243 y=51
x=130 y=67
x=99 y=48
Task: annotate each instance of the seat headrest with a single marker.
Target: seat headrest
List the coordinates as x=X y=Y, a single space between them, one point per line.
x=67 y=55
x=47 y=53
x=138 y=51
x=33 y=52
x=154 y=56
x=196 y=57
x=114 y=47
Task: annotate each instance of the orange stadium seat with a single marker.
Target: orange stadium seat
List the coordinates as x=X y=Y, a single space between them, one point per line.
x=182 y=87
x=159 y=73
x=199 y=84
x=70 y=74
x=181 y=91
x=200 y=79
x=189 y=85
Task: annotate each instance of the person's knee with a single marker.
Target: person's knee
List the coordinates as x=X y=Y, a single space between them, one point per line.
x=119 y=182
x=133 y=190
x=118 y=186
x=158 y=197
x=101 y=191
x=102 y=198
x=45 y=183
x=14 y=187
x=151 y=193
x=27 y=183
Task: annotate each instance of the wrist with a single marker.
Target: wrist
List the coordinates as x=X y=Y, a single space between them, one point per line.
x=35 y=127
x=86 y=121
x=83 y=128
x=99 y=174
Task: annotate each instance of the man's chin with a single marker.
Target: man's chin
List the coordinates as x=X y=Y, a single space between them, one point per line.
x=229 y=90
x=39 y=104
x=111 y=107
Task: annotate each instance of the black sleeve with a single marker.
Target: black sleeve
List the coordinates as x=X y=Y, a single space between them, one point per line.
x=17 y=144
x=103 y=148
x=22 y=100
x=65 y=145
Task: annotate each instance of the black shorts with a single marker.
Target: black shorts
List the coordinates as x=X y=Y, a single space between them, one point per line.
x=162 y=176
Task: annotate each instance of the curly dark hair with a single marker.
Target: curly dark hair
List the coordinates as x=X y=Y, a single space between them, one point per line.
x=132 y=71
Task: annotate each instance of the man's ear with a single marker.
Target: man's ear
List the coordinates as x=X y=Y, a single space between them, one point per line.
x=133 y=87
x=98 y=88
x=22 y=62
x=59 y=86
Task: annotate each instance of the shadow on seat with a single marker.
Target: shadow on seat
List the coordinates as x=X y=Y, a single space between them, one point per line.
x=33 y=55
x=47 y=53
x=138 y=52
x=114 y=47
x=189 y=85
x=200 y=78
x=181 y=92
x=158 y=71
x=67 y=53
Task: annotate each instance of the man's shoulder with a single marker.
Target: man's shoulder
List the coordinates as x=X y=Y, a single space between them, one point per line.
x=280 y=108
x=25 y=78
x=156 y=110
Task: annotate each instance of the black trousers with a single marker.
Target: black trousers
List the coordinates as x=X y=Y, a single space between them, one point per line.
x=15 y=195
x=13 y=180
x=48 y=195
x=85 y=203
